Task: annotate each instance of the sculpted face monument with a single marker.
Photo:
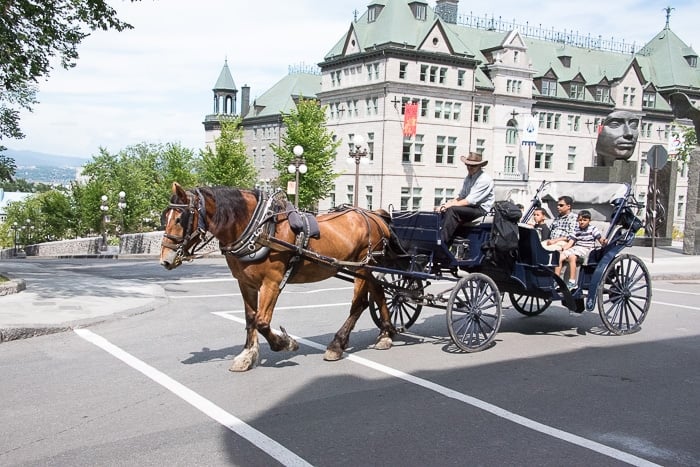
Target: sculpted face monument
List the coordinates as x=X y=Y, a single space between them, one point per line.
x=617 y=137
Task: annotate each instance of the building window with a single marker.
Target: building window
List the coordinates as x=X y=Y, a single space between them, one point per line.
x=447 y=114
x=646 y=130
x=412 y=150
x=628 y=96
x=543 y=156
x=456 y=111
x=550 y=120
x=511 y=133
x=438 y=109
x=509 y=164
x=411 y=197
x=433 y=74
x=643 y=166
x=451 y=149
x=460 y=77
x=419 y=11
x=370 y=146
x=368 y=196
x=424 y=107
x=423 y=72
x=577 y=91
x=571 y=159
x=418 y=149
x=443 y=75
x=649 y=100
x=442 y=195
x=440 y=150
x=403 y=66
x=513 y=86
x=602 y=94
x=481 y=113
x=351 y=193
x=549 y=87
x=574 y=122
x=481 y=146
x=680 y=206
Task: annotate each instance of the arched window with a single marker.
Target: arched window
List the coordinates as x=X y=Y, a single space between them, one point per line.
x=512 y=132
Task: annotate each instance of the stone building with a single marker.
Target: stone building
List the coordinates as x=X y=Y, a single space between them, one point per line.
x=478 y=85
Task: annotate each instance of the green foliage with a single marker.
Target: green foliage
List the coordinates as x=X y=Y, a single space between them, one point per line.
x=144 y=172
x=228 y=163
x=33 y=33
x=690 y=142
x=306 y=127
x=7 y=167
x=40 y=218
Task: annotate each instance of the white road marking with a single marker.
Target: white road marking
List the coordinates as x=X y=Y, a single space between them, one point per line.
x=675 y=291
x=676 y=305
x=238 y=426
x=478 y=403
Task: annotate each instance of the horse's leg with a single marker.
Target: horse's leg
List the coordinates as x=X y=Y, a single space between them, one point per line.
x=360 y=301
x=387 y=330
x=269 y=292
x=250 y=355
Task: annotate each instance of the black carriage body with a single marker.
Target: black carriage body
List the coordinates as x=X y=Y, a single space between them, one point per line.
x=617 y=283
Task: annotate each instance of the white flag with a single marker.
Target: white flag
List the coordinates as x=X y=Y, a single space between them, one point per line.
x=530 y=131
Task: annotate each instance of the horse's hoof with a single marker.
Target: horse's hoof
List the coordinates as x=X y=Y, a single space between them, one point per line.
x=246 y=360
x=332 y=355
x=292 y=345
x=383 y=343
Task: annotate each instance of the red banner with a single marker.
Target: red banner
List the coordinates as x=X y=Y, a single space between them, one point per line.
x=410 y=117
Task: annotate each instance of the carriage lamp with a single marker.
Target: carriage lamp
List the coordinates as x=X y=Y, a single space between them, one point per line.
x=356 y=155
x=298 y=166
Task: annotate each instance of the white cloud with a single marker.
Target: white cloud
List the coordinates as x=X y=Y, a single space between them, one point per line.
x=154 y=83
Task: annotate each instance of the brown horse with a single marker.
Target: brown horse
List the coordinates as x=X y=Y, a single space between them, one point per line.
x=254 y=233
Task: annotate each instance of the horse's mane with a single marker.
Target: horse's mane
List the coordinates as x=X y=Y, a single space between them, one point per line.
x=231 y=206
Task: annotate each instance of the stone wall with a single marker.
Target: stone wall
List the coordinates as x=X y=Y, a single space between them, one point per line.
x=129 y=244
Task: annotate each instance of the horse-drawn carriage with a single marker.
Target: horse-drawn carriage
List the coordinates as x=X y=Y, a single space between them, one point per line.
x=618 y=284
x=393 y=261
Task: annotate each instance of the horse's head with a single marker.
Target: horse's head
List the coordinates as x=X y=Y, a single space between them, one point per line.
x=181 y=219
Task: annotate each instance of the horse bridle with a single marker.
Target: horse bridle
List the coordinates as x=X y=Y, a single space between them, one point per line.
x=191 y=235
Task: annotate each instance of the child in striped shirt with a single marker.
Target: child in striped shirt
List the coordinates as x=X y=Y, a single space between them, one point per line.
x=580 y=243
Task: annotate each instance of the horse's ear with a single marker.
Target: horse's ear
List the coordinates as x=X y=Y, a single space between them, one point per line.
x=178 y=191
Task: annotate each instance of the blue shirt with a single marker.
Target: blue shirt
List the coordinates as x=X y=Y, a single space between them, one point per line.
x=477 y=189
x=585 y=237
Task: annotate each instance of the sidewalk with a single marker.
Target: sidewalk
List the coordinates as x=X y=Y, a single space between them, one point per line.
x=60 y=300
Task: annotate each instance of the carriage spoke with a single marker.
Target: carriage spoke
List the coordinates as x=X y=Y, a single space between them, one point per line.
x=624 y=295
x=474 y=312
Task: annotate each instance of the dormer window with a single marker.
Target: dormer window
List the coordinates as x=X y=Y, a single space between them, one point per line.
x=420 y=10
x=373 y=12
x=692 y=60
x=602 y=94
x=565 y=60
x=649 y=100
x=549 y=87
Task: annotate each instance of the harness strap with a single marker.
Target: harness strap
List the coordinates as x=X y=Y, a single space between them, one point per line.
x=247 y=245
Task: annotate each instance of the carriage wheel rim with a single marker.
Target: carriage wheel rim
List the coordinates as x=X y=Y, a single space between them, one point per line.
x=474 y=313
x=624 y=295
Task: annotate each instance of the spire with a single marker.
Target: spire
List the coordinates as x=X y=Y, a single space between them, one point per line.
x=225 y=81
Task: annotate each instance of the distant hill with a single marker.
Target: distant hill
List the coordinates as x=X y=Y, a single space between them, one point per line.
x=32 y=158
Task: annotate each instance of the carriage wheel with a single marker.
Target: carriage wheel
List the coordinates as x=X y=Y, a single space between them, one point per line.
x=624 y=294
x=474 y=312
x=529 y=305
x=401 y=299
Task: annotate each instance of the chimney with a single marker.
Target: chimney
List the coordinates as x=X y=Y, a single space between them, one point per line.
x=447 y=10
x=245 y=100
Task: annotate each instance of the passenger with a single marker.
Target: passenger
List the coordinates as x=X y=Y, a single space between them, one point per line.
x=539 y=216
x=474 y=200
x=562 y=227
x=579 y=245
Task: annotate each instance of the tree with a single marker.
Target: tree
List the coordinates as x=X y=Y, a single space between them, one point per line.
x=690 y=142
x=228 y=163
x=7 y=167
x=306 y=127
x=32 y=33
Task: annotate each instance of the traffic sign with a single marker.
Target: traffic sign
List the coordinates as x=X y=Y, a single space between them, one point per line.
x=657 y=157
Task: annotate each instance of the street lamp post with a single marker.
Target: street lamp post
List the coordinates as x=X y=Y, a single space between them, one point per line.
x=122 y=205
x=298 y=166
x=105 y=219
x=356 y=154
x=15 y=227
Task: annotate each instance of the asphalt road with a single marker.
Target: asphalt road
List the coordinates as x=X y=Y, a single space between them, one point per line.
x=154 y=389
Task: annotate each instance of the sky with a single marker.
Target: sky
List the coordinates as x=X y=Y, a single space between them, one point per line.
x=153 y=84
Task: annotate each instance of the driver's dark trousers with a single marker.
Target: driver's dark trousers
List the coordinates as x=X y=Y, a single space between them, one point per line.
x=454 y=217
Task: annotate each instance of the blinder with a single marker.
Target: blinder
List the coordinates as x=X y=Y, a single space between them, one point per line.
x=190 y=231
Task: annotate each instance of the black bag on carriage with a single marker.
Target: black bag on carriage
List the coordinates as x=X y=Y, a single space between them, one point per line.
x=501 y=250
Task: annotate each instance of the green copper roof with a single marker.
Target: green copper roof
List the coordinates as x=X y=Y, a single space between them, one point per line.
x=225 y=81
x=664 y=57
x=280 y=98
